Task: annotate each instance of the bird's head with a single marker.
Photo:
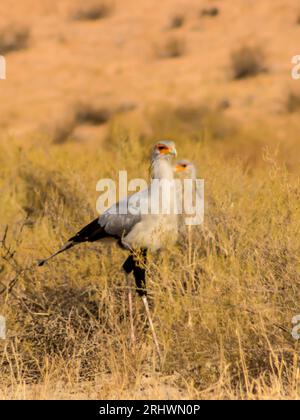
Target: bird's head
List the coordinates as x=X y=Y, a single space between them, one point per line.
x=164 y=149
x=185 y=169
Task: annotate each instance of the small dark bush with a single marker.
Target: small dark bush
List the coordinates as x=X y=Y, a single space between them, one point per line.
x=13 y=38
x=210 y=11
x=93 y=11
x=173 y=48
x=247 y=62
x=177 y=21
x=224 y=104
x=92 y=114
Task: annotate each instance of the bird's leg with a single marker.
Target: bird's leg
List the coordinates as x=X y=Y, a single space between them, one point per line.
x=131 y=312
x=145 y=302
x=139 y=272
x=128 y=267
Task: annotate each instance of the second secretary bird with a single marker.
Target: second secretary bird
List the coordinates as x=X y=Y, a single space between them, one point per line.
x=138 y=231
x=185 y=170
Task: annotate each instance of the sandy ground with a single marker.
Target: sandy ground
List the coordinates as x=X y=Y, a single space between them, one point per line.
x=115 y=61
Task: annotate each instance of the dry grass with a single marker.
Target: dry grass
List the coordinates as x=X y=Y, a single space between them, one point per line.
x=13 y=37
x=62 y=130
x=222 y=301
x=247 y=62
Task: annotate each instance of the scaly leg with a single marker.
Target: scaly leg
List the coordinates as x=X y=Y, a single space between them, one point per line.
x=145 y=302
x=128 y=267
x=131 y=314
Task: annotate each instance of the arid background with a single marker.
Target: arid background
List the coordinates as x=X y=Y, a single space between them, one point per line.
x=90 y=86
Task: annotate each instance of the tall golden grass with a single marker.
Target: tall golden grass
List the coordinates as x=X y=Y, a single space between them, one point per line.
x=222 y=300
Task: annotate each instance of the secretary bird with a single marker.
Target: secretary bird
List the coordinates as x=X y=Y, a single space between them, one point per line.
x=136 y=231
x=185 y=170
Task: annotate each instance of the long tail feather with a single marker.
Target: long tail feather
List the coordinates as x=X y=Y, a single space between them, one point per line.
x=90 y=233
x=68 y=245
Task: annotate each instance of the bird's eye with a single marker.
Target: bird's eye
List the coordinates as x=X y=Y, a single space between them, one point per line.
x=161 y=147
x=184 y=165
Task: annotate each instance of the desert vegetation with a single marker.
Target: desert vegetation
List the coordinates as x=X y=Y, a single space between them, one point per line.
x=83 y=114
x=222 y=301
x=177 y=21
x=248 y=61
x=173 y=47
x=293 y=102
x=210 y=11
x=92 y=10
x=13 y=37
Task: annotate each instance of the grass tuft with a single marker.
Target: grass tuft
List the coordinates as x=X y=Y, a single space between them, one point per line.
x=293 y=102
x=172 y=48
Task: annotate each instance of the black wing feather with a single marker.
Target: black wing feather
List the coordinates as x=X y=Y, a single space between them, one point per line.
x=90 y=233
